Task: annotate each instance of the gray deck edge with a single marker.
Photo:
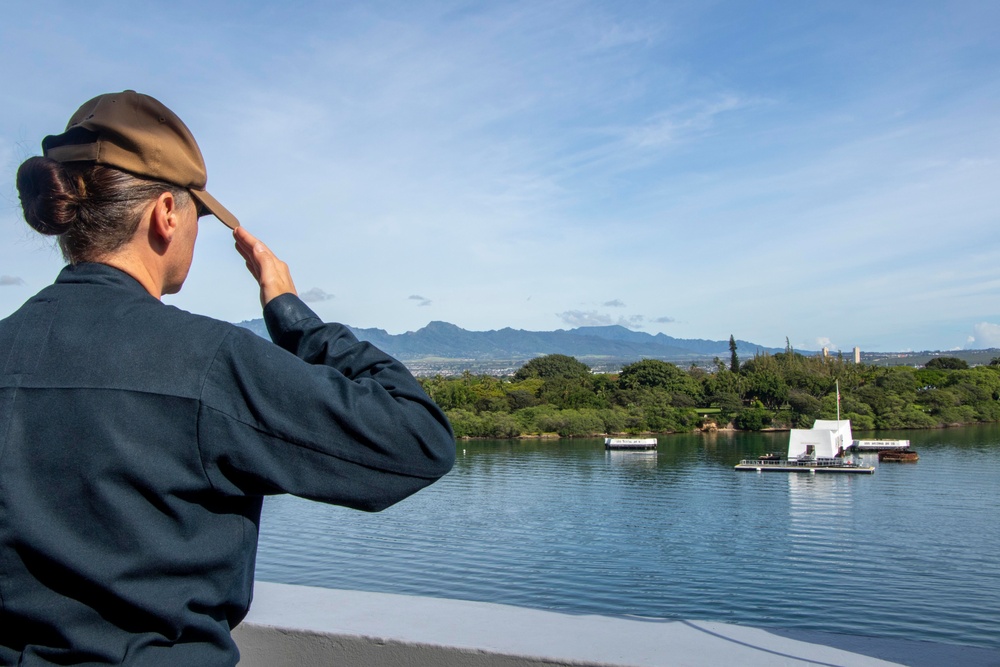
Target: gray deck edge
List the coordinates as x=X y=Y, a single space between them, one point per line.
x=302 y=625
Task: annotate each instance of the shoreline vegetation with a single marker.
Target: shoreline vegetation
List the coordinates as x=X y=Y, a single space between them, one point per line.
x=557 y=396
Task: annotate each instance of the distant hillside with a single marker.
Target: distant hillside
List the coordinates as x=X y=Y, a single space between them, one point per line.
x=696 y=346
x=442 y=341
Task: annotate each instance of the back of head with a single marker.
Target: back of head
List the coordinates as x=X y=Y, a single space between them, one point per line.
x=93 y=209
x=118 y=152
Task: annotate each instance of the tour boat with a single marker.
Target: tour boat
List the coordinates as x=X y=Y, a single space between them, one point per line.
x=630 y=443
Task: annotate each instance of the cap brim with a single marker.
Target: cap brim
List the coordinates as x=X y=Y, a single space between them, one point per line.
x=215 y=208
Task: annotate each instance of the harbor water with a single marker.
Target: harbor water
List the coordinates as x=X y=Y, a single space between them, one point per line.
x=910 y=552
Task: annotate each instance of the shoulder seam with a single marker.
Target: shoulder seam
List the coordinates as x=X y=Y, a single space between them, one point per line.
x=201 y=405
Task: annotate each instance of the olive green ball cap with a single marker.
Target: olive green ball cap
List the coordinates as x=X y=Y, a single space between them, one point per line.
x=137 y=134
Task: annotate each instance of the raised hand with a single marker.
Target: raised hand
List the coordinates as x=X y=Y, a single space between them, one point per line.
x=270 y=272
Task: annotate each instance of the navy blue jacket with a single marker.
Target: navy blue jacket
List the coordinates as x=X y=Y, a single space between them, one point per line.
x=136 y=443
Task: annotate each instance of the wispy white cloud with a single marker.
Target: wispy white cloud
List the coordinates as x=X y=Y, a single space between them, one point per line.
x=618 y=34
x=593 y=318
x=984 y=335
x=584 y=318
x=632 y=321
x=315 y=295
x=10 y=280
x=683 y=122
x=781 y=183
x=421 y=301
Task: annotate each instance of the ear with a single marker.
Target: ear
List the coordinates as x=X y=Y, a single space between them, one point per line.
x=164 y=218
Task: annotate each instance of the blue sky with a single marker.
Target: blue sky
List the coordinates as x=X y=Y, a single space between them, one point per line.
x=825 y=171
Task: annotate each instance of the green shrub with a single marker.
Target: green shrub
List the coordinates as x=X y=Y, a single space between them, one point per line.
x=752 y=419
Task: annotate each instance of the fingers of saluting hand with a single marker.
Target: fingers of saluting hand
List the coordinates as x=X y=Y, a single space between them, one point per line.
x=245 y=245
x=248 y=244
x=270 y=272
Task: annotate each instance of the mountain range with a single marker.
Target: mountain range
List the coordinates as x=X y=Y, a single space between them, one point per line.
x=441 y=341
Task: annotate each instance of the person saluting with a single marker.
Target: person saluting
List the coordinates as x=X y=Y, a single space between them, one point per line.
x=137 y=440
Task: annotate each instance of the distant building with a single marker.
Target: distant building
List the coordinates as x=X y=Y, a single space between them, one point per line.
x=857 y=354
x=826 y=352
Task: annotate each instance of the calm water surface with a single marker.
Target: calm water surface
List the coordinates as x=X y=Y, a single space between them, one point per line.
x=912 y=551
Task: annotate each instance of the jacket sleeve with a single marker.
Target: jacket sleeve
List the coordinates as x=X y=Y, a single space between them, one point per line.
x=317 y=414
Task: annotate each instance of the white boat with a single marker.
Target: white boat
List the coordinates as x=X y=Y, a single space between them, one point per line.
x=630 y=443
x=880 y=445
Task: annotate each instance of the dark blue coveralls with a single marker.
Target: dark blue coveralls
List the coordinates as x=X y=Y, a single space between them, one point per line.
x=137 y=442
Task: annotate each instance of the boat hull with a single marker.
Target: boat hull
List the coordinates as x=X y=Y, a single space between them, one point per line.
x=630 y=443
x=895 y=456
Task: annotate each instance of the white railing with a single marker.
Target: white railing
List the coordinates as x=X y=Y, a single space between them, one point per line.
x=762 y=462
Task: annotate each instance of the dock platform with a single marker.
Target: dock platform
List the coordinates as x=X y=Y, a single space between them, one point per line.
x=820 y=466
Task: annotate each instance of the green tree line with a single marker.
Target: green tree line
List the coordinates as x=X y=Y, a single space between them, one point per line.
x=559 y=394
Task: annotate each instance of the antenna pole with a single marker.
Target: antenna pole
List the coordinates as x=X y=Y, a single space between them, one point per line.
x=838 y=403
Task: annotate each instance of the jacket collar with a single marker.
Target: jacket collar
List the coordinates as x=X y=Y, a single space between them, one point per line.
x=92 y=273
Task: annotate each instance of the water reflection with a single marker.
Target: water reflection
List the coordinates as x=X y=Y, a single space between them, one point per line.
x=643 y=459
x=820 y=521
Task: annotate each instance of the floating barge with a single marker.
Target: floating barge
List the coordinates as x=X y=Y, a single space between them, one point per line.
x=630 y=443
x=804 y=465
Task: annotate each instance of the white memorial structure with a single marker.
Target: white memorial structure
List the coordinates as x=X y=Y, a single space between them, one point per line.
x=827 y=439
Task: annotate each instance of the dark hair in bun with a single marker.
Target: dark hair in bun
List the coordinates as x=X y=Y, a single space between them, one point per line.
x=48 y=199
x=94 y=209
